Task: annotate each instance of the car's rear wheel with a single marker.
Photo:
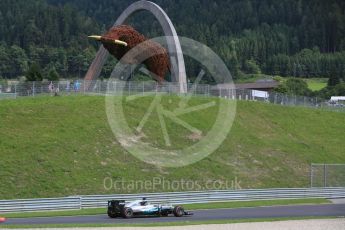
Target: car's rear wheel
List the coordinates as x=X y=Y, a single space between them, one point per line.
x=127 y=213
x=112 y=215
x=178 y=211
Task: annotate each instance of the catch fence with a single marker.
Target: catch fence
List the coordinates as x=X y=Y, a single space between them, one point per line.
x=327 y=175
x=34 y=89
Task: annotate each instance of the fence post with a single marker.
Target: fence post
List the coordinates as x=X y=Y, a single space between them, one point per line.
x=80 y=202
x=311 y=175
x=33 y=89
x=304 y=101
x=15 y=91
x=143 y=88
x=324 y=175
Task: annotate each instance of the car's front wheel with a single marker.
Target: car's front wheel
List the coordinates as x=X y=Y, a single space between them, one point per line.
x=178 y=211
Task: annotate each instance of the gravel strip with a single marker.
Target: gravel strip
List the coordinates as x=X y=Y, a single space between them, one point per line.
x=324 y=224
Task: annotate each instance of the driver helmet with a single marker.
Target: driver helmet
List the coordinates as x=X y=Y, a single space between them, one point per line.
x=144 y=202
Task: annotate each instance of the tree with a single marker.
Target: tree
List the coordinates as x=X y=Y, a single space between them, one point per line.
x=4 y=61
x=250 y=66
x=281 y=88
x=34 y=73
x=333 y=80
x=294 y=86
x=327 y=92
x=339 y=89
x=53 y=75
x=19 y=61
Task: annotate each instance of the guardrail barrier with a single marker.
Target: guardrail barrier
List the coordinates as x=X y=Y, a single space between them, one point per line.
x=95 y=201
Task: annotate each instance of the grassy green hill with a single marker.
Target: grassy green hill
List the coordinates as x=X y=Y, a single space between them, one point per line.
x=57 y=146
x=316 y=84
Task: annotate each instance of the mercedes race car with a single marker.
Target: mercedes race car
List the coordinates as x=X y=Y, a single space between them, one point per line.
x=120 y=208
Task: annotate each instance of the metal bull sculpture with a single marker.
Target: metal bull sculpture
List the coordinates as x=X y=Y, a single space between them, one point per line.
x=120 y=39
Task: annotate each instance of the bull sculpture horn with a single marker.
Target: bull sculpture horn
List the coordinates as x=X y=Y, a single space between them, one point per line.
x=96 y=37
x=119 y=42
x=99 y=38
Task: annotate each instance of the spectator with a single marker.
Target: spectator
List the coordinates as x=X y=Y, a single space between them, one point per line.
x=51 y=88
x=57 y=90
x=77 y=86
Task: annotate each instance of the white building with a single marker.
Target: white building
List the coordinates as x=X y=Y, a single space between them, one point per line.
x=337 y=98
x=260 y=94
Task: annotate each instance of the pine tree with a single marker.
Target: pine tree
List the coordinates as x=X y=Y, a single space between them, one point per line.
x=333 y=79
x=34 y=73
x=53 y=75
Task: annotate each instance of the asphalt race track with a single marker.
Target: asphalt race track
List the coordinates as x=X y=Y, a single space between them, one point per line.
x=330 y=210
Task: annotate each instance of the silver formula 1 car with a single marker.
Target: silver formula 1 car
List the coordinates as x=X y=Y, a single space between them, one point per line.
x=120 y=208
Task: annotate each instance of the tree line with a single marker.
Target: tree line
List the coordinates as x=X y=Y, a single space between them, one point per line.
x=299 y=38
x=44 y=37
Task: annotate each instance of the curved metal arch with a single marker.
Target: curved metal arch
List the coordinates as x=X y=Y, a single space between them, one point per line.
x=178 y=72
